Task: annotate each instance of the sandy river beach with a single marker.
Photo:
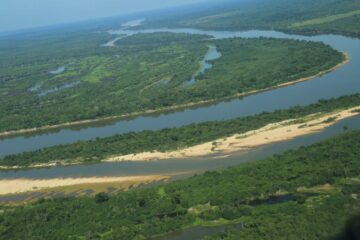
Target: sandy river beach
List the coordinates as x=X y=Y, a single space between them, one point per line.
x=272 y=133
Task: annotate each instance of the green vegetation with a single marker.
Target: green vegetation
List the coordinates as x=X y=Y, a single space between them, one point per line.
x=306 y=193
x=326 y=19
x=101 y=197
x=142 y=72
x=346 y=26
x=251 y=64
x=170 y=139
x=111 y=79
x=282 y=196
x=300 y=16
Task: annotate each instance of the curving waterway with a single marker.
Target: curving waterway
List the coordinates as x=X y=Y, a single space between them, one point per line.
x=205 y=64
x=343 y=81
x=179 y=168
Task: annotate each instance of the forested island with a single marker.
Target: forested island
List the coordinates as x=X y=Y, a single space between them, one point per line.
x=169 y=139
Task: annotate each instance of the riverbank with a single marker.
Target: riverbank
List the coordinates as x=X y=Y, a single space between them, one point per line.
x=171 y=108
x=272 y=133
x=27 y=185
x=252 y=186
x=266 y=129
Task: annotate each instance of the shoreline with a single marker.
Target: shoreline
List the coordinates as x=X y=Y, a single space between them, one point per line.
x=171 y=108
x=223 y=147
x=271 y=133
x=23 y=185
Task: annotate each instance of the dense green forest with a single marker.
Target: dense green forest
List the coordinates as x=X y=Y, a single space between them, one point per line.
x=51 y=79
x=284 y=195
x=252 y=64
x=170 y=139
x=60 y=76
x=111 y=79
x=300 y=16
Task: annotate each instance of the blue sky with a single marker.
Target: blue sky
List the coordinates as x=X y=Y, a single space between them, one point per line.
x=20 y=14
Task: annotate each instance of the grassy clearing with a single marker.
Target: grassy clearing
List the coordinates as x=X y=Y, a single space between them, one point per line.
x=326 y=19
x=79 y=190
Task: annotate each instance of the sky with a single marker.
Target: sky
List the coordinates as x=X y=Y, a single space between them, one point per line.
x=22 y=14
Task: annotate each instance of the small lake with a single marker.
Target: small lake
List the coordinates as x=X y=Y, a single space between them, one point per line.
x=58 y=88
x=133 y=23
x=111 y=43
x=343 y=81
x=59 y=70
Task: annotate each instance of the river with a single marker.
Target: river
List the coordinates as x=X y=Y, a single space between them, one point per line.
x=343 y=81
x=179 y=168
